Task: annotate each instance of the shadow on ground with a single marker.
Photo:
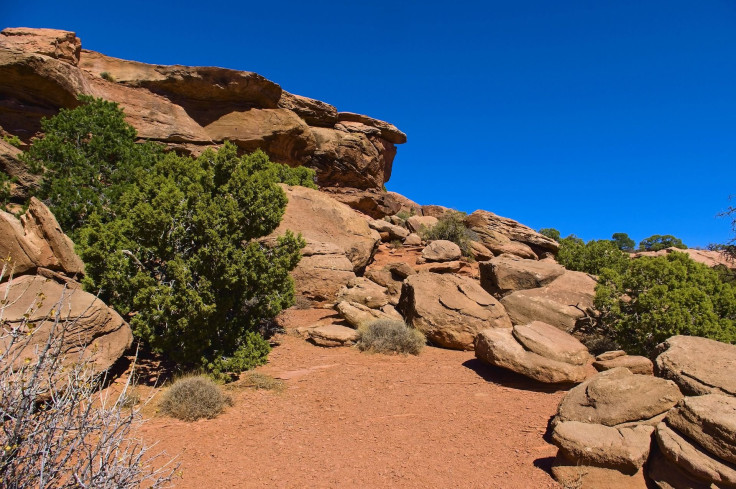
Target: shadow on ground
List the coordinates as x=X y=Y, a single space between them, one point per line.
x=511 y=379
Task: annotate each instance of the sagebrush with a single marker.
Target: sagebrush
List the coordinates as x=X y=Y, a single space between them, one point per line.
x=193 y=397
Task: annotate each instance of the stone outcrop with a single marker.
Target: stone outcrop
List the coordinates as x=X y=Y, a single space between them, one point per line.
x=417 y=224
x=562 y=303
x=503 y=235
x=508 y=273
x=363 y=291
x=190 y=108
x=450 y=310
x=537 y=350
x=356 y=314
x=619 y=398
x=331 y=335
x=37 y=241
x=392 y=231
x=634 y=363
x=681 y=359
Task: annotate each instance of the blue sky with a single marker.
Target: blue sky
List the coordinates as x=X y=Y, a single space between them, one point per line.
x=593 y=117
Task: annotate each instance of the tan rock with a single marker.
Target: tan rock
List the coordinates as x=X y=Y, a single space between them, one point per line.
x=624 y=449
x=665 y=474
x=692 y=459
x=710 y=421
x=322 y=272
x=479 y=251
x=373 y=202
x=332 y=335
x=441 y=250
x=357 y=314
x=364 y=291
x=313 y=112
x=417 y=224
x=442 y=267
x=387 y=131
x=435 y=210
x=617 y=396
x=551 y=343
x=450 y=310
x=406 y=205
x=508 y=273
x=680 y=358
x=572 y=474
x=62 y=45
x=498 y=347
x=483 y=222
x=635 y=363
x=561 y=303
x=385 y=278
x=413 y=240
x=393 y=231
x=96 y=332
x=610 y=355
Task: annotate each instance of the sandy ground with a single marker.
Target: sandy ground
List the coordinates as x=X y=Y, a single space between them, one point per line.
x=350 y=419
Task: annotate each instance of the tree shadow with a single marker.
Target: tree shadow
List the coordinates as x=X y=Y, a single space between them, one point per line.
x=511 y=379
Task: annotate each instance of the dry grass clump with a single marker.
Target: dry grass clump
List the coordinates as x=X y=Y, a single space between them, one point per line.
x=194 y=397
x=259 y=381
x=390 y=336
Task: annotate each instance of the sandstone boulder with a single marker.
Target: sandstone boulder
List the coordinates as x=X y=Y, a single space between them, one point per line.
x=616 y=397
x=479 y=251
x=322 y=272
x=710 y=421
x=394 y=232
x=551 y=343
x=372 y=202
x=96 y=333
x=35 y=241
x=358 y=314
x=442 y=267
x=665 y=474
x=413 y=240
x=488 y=224
x=681 y=359
x=387 y=131
x=321 y=219
x=364 y=291
x=561 y=303
x=624 y=449
x=508 y=273
x=450 y=310
x=417 y=224
x=693 y=460
x=635 y=363
x=62 y=45
x=313 y=112
x=332 y=335
x=441 y=250
x=435 y=210
x=498 y=347
x=570 y=473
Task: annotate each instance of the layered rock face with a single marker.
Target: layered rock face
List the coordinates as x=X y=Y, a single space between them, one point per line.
x=191 y=108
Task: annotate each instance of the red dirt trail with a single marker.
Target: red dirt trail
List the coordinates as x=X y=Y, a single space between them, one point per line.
x=350 y=419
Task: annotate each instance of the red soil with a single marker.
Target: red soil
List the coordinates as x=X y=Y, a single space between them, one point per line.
x=351 y=419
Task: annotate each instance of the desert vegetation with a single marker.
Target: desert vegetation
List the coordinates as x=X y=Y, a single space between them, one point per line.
x=172 y=242
x=451 y=227
x=390 y=336
x=193 y=397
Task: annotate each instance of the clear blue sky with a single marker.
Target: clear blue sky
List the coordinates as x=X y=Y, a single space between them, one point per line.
x=593 y=117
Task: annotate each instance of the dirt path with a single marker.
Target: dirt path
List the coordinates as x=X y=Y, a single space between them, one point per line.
x=350 y=419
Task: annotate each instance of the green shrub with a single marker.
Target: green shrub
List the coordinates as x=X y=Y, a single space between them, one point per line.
x=105 y=75
x=193 y=397
x=13 y=140
x=658 y=242
x=658 y=297
x=451 y=227
x=623 y=242
x=592 y=257
x=172 y=242
x=5 y=188
x=550 y=233
x=390 y=336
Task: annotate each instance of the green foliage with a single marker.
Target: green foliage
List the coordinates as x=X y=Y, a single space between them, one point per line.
x=550 y=233
x=105 y=75
x=13 y=140
x=658 y=242
x=193 y=397
x=592 y=257
x=658 y=297
x=390 y=336
x=5 y=187
x=623 y=242
x=451 y=227
x=170 y=241
x=87 y=156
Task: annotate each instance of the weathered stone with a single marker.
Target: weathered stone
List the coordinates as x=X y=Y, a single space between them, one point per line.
x=387 y=131
x=364 y=291
x=441 y=250
x=62 y=45
x=479 y=251
x=617 y=396
x=635 y=363
x=313 y=112
x=562 y=303
x=450 y=310
x=442 y=267
x=508 y=273
x=624 y=449
x=393 y=231
x=499 y=348
x=551 y=343
x=681 y=358
x=413 y=240
x=435 y=210
x=373 y=202
x=358 y=314
x=418 y=224
x=322 y=272
x=400 y=269
x=96 y=333
x=610 y=355
x=710 y=421
x=665 y=474
x=332 y=335
x=484 y=222
x=572 y=474
x=692 y=459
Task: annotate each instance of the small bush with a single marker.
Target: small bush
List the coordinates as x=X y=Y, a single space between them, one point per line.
x=591 y=257
x=451 y=227
x=194 y=397
x=13 y=140
x=107 y=76
x=259 y=381
x=396 y=244
x=390 y=336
